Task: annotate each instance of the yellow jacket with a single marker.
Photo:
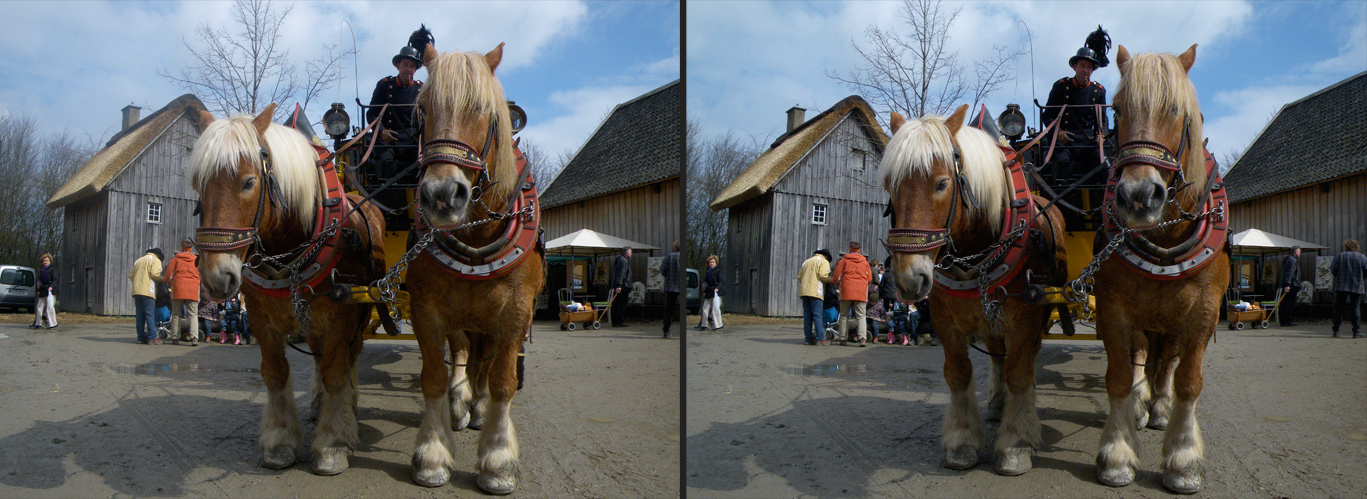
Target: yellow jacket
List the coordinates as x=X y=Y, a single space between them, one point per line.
x=146 y=270
x=815 y=270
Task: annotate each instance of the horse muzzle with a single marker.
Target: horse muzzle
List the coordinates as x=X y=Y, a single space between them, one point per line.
x=914 y=275
x=444 y=201
x=221 y=274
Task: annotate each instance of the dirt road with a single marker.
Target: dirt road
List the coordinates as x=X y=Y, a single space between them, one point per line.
x=85 y=412
x=1283 y=414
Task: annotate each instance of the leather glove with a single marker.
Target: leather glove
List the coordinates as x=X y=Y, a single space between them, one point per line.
x=387 y=136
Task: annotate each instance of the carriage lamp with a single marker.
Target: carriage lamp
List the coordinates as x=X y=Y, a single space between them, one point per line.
x=518 y=116
x=1012 y=122
x=336 y=121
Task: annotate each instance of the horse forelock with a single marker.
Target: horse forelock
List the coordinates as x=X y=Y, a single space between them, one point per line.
x=461 y=85
x=1156 y=84
x=919 y=143
x=226 y=142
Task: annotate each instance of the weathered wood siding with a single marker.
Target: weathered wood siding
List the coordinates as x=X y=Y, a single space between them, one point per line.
x=82 y=261
x=840 y=172
x=1324 y=214
x=749 y=239
x=119 y=232
x=648 y=214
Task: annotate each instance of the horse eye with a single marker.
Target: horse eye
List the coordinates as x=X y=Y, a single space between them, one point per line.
x=944 y=184
x=249 y=183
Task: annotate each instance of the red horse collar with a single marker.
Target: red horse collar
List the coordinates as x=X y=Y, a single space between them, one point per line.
x=505 y=254
x=273 y=279
x=961 y=282
x=1192 y=255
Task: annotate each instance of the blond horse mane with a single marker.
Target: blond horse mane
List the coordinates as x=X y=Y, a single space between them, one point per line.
x=919 y=143
x=1156 y=84
x=461 y=85
x=225 y=142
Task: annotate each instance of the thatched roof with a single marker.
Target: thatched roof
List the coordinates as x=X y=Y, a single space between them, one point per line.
x=638 y=144
x=121 y=150
x=791 y=147
x=1315 y=139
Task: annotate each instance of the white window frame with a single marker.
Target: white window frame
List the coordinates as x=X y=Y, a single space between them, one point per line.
x=820 y=213
x=154 y=212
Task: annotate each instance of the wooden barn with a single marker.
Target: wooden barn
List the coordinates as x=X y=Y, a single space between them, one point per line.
x=816 y=187
x=626 y=179
x=131 y=196
x=1305 y=175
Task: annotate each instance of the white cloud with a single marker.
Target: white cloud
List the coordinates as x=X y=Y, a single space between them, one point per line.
x=1252 y=108
x=582 y=110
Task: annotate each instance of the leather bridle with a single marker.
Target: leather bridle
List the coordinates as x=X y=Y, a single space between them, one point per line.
x=225 y=239
x=462 y=155
x=913 y=240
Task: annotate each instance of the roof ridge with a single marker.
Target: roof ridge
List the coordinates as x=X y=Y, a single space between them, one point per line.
x=1326 y=89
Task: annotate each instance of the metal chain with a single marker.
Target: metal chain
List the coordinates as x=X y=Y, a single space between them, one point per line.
x=992 y=309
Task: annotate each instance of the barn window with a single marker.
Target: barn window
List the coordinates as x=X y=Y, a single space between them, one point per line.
x=153 y=213
x=818 y=214
x=859 y=159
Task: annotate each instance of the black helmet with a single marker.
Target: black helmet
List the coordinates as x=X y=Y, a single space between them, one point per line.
x=1083 y=53
x=417 y=43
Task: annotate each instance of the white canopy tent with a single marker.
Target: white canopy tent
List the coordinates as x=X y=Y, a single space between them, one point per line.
x=1254 y=241
x=586 y=242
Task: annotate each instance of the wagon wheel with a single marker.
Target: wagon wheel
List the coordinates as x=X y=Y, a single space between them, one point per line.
x=1238 y=326
x=571 y=326
x=1263 y=324
x=597 y=325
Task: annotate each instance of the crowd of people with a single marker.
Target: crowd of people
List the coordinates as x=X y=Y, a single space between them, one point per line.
x=857 y=294
x=170 y=303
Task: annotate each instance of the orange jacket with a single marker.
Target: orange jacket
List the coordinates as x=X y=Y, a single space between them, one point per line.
x=852 y=274
x=183 y=276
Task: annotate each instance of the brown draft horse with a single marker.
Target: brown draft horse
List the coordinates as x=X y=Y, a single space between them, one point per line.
x=947 y=179
x=1145 y=317
x=262 y=194
x=469 y=173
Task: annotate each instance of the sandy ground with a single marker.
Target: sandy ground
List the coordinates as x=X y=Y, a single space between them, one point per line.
x=85 y=412
x=1283 y=414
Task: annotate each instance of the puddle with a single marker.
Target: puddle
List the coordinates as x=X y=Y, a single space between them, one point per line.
x=602 y=420
x=3 y=336
x=832 y=369
x=166 y=369
x=1357 y=436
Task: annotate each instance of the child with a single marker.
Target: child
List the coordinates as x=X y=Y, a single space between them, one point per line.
x=232 y=318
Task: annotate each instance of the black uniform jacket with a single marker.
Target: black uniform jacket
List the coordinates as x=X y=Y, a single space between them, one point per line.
x=389 y=91
x=1075 y=119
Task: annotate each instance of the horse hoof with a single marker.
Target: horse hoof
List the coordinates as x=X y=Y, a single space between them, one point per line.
x=1143 y=420
x=431 y=478
x=278 y=458
x=462 y=423
x=330 y=462
x=495 y=485
x=1181 y=484
x=474 y=423
x=1158 y=423
x=962 y=458
x=1115 y=477
x=1014 y=462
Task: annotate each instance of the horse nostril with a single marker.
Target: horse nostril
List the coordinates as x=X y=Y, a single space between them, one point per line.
x=460 y=194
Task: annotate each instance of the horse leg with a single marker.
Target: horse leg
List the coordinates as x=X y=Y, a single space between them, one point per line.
x=962 y=431
x=477 y=373
x=459 y=391
x=280 y=432
x=432 y=458
x=315 y=385
x=1160 y=380
x=1140 y=392
x=498 y=450
x=1019 y=433
x=996 y=378
x=336 y=433
x=1183 y=450
x=1117 y=458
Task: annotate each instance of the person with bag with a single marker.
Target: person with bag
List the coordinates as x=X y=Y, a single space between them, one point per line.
x=711 y=296
x=45 y=295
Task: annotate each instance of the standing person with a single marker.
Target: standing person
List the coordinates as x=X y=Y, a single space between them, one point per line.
x=145 y=274
x=45 y=295
x=245 y=321
x=1079 y=125
x=1291 y=285
x=621 y=284
x=400 y=92
x=811 y=279
x=670 y=268
x=711 y=295
x=232 y=318
x=887 y=290
x=183 y=275
x=1349 y=268
x=853 y=274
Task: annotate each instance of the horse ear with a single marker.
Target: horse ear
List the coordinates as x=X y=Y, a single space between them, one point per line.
x=897 y=121
x=956 y=120
x=1188 y=58
x=205 y=119
x=263 y=120
x=1122 y=57
x=494 y=57
x=429 y=56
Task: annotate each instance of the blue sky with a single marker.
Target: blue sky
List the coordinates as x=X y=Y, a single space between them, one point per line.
x=73 y=65
x=748 y=62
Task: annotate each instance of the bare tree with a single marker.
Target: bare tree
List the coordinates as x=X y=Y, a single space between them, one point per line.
x=544 y=167
x=246 y=70
x=713 y=163
x=915 y=73
x=32 y=168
